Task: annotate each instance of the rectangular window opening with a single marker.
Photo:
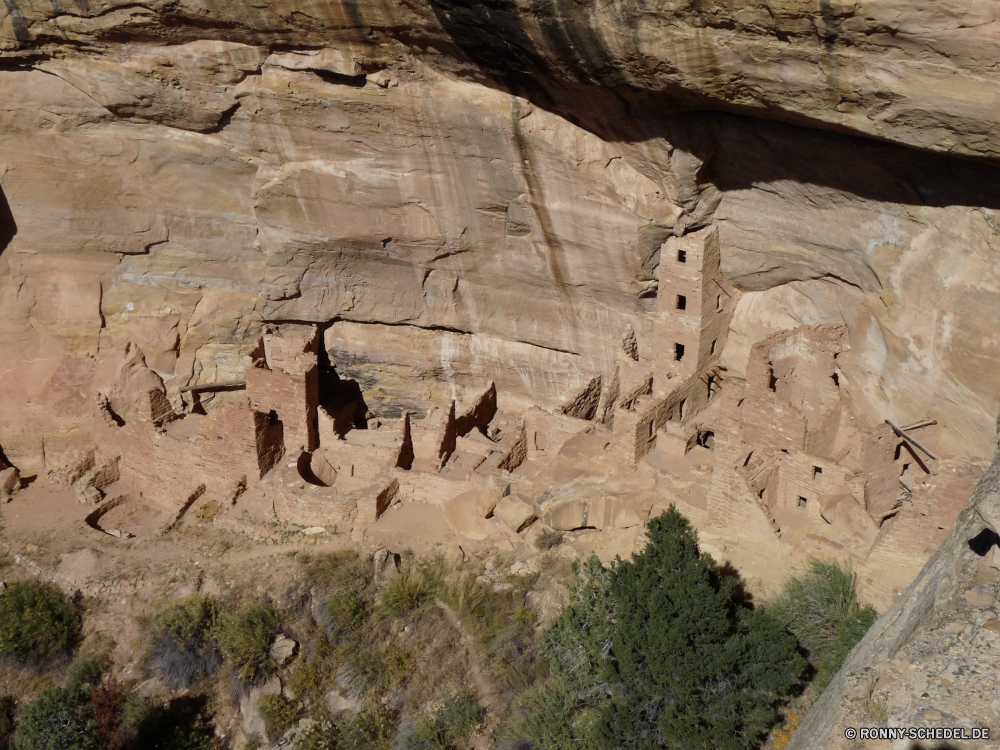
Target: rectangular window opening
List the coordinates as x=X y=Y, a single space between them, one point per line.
x=682 y=256
x=803 y=501
x=718 y=303
x=682 y=302
x=714 y=345
x=678 y=352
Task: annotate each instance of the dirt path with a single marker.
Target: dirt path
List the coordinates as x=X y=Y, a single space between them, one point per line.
x=487 y=698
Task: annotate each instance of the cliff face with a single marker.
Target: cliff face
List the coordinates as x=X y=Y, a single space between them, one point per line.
x=501 y=226
x=460 y=193
x=918 y=74
x=456 y=193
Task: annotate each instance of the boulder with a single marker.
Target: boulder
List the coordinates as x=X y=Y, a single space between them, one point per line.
x=83 y=566
x=283 y=650
x=385 y=566
x=454 y=556
x=515 y=512
x=493 y=491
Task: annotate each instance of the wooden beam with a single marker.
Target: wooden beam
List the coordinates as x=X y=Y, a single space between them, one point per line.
x=910 y=440
x=230 y=385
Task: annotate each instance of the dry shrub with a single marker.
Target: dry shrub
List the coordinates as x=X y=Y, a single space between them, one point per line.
x=182 y=648
x=783 y=735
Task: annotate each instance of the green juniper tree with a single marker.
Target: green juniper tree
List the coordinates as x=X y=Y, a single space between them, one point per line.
x=694 y=668
x=656 y=653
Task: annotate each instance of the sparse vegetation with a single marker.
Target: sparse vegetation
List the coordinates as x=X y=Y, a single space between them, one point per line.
x=875 y=708
x=182 y=649
x=821 y=608
x=446 y=727
x=323 y=735
x=371 y=729
x=245 y=637
x=405 y=592
x=548 y=539
x=37 y=622
x=280 y=714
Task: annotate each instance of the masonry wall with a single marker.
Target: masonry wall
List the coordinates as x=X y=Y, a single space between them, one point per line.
x=878 y=450
x=167 y=469
x=293 y=396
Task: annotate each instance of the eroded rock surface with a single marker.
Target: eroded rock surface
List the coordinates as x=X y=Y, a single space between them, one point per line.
x=352 y=256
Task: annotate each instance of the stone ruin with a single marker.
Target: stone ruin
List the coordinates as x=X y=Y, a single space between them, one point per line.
x=790 y=466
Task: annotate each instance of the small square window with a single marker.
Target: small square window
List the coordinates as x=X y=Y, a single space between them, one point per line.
x=817 y=473
x=682 y=302
x=803 y=501
x=682 y=256
x=678 y=352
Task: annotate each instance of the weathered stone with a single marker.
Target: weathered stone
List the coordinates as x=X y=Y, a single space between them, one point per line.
x=283 y=649
x=385 y=566
x=515 y=512
x=493 y=491
x=454 y=556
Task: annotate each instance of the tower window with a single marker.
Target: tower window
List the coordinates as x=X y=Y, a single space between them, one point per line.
x=714 y=344
x=711 y=386
x=682 y=302
x=802 y=502
x=652 y=429
x=772 y=382
x=678 y=352
x=718 y=303
x=682 y=256
x=817 y=473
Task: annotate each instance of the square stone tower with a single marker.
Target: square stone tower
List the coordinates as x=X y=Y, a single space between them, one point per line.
x=693 y=308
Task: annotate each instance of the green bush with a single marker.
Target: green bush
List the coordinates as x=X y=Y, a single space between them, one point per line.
x=182 y=648
x=245 y=638
x=37 y=621
x=373 y=669
x=279 y=714
x=548 y=539
x=344 y=612
x=447 y=727
x=77 y=717
x=655 y=653
x=821 y=609
x=404 y=593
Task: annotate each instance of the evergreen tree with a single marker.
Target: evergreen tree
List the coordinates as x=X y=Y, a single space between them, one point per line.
x=693 y=668
x=655 y=653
